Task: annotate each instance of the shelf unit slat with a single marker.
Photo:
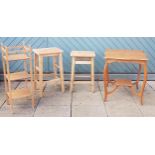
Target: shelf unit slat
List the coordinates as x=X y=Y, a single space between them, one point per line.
x=19 y=93
x=17 y=57
x=18 y=75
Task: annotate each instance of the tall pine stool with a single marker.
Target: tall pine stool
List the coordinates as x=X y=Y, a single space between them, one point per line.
x=82 y=57
x=56 y=55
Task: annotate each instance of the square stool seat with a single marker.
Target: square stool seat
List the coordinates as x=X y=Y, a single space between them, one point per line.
x=83 y=54
x=48 y=51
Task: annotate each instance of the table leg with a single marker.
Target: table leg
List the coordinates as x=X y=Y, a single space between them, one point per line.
x=144 y=83
x=138 y=76
x=105 y=77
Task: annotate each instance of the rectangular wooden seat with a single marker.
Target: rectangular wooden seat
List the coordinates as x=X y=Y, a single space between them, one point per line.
x=125 y=55
x=47 y=51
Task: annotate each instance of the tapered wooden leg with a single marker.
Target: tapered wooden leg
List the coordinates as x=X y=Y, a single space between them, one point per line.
x=72 y=74
x=144 y=83
x=61 y=72
x=105 y=77
x=92 y=75
x=41 y=75
x=138 y=76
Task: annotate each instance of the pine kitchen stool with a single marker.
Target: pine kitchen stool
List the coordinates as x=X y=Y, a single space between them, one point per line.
x=125 y=56
x=17 y=54
x=56 y=55
x=82 y=57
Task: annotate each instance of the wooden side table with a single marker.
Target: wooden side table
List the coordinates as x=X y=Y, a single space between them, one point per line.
x=56 y=55
x=82 y=57
x=125 y=56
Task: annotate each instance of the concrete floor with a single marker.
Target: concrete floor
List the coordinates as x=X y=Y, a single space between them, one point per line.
x=82 y=103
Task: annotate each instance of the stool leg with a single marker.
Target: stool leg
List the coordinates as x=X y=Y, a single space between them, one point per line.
x=92 y=74
x=35 y=71
x=54 y=67
x=72 y=74
x=41 y=75
x=61 y=72
x=32 y=84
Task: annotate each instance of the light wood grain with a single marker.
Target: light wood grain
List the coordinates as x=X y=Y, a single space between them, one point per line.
x=82 y=58
x=56 y=54
x=83 y=54
x=125 y=56
x=10 y=77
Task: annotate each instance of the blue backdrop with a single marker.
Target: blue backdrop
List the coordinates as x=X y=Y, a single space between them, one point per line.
x=97 y=44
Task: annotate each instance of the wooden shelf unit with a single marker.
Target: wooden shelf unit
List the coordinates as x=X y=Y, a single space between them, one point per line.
x=17 y=53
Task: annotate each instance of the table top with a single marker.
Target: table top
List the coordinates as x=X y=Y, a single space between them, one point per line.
x=129 y=55
x=47 y=51
x=83 y=54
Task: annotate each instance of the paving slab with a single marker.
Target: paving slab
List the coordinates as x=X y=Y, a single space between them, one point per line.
x=82 y=102
x=87 y=104
x=21 y=108
x=88 y=111
x=120 y=103
x=148 y=107
x=84 y=86
x=2 y=92
x=52 y=111
x=83 y=96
